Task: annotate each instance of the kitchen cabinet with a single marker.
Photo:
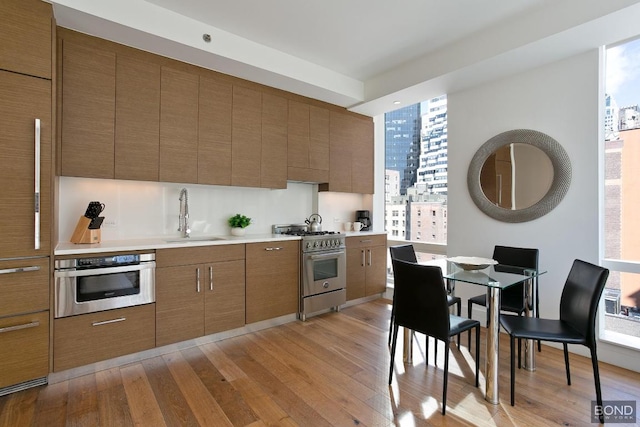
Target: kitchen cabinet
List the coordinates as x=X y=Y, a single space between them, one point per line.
x=25 y=35
x=178 y=126
x=308 y=143
x=214 y=131
x=273 y=162
x=199 y=291
x=246 y=148
x=137 y=119
x=25 y=100
x=93 y=337
x=351 y=154
x=88 y=111
x=366 y=265
x=273 y=277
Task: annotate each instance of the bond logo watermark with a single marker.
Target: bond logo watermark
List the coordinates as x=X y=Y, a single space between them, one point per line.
x=614 y=411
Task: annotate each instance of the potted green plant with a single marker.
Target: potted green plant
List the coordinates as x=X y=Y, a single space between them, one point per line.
x=238 y=223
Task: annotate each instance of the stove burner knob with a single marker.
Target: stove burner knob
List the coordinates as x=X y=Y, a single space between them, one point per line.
x=316 y=245
x=336 y=242
x=323 y=243
x=308 y=245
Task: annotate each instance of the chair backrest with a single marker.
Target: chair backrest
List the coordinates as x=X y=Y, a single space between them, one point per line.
x=403 y=252
x=420 y=298
x=510 y=256
x=580 y=297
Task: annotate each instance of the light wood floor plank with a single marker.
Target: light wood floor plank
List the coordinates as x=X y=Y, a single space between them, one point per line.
x=142 y=402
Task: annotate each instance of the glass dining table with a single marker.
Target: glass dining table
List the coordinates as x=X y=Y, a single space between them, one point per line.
x=494 y=278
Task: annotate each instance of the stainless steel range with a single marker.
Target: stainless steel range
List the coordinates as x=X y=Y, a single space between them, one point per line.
x=323 y=269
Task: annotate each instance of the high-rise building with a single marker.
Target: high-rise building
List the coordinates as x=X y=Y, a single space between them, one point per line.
x=432 y=170
x=402 y=142
x=611 y=112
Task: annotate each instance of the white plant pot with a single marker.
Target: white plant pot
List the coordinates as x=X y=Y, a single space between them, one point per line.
x=237 y=231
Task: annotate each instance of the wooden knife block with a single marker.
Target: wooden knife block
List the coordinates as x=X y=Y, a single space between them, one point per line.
x=82 y=233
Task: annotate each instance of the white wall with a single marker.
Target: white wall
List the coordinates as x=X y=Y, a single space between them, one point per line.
x=150 y=209
x=560 y=100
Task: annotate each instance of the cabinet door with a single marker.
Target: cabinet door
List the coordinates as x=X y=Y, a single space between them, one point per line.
x=88 y=111
x=24 y=99
x=24 y=353
x=273 y=164
x=214 y=132
x=24 y=286
x=224 y=296
x=179 y=303
x=356 y=262
x=246 y=148
x=137 y=138
x=340 y=153
x=319 y=143
x=376 y=260
x=362 y=157
x=178 y=126
x=298 y=140
x=25 y=37
x=273 y=276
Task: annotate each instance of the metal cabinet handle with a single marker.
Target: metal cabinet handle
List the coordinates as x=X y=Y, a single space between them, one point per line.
x=198 y=280
x=362 y=257
x=19 y=327
x=366 y=241
x=210 y=278
x=273 y=249
x=20 y=269
x=37 y=187
x=106 y=322
x=369 y=251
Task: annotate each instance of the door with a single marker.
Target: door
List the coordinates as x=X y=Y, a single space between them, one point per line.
x=224 y=296
x=356 y=261
x=24 y=100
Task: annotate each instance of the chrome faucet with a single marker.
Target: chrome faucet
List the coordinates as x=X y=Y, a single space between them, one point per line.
x=183 y=218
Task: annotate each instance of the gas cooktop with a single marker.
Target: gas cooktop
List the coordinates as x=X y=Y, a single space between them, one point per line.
x=301 y=230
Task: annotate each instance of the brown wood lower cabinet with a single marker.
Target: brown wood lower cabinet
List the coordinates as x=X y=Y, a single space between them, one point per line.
x=273 y=274
x=366 y=265
x=199 y=291
x=89 y=338
x=24 y=348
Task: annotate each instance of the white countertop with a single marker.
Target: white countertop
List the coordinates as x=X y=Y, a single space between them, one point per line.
x=141 y=244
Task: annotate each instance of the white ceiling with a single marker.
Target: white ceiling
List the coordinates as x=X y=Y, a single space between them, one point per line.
x=361 y=54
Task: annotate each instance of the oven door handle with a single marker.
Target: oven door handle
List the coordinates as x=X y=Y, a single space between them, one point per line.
x=327 y=255
x=106 y=270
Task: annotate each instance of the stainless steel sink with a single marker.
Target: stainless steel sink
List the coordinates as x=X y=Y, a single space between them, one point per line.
x=194 y=239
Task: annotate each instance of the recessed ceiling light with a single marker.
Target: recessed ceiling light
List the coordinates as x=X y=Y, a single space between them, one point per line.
x=206 y=38
x=396 y=102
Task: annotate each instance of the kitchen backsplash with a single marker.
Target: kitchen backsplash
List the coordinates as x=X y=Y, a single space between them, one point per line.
x=138 y=209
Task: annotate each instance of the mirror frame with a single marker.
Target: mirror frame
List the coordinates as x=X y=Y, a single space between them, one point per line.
x=559 y=186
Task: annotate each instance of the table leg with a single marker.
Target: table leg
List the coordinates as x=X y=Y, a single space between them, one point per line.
x=408 y=346
x=529 y=311
x=493 y=331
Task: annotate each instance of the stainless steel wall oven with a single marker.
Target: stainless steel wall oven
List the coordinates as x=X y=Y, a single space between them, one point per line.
x=90 y=284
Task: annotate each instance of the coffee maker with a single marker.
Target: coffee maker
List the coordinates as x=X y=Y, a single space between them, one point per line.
x=365 y=218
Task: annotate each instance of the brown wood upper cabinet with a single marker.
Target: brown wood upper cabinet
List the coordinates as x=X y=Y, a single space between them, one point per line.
x=351 y=154
x=26 y=37
x=246 y=152
x=273 y=164
x=88 y=111
x=214 y=131
x=178 y=126
x=308 y=143
x=137 y=128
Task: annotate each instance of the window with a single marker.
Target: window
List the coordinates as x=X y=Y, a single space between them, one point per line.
x=620 y=316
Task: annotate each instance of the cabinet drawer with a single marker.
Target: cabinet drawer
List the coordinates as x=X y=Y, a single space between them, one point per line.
x=199 y=255
x=89 y=338
x=366 y=240
x=24 y=353
x=24 y=286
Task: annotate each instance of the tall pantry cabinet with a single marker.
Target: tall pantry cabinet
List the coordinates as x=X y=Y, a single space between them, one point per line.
x=25 y=191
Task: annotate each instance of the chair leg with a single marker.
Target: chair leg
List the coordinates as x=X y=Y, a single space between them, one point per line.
x=393 y=351
x=596 y=377
x=446 y=376
x=513 y=370
x=459 y=304
x=426 y=350
x=566 y=362
x=435 y=351
x=393 y=309
x=519 y=353
x=477 y=355
x=469 y=307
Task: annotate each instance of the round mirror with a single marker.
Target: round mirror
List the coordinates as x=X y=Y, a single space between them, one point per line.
x=519 y=175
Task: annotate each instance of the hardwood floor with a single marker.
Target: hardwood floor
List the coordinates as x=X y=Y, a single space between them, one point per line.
x=329 y=371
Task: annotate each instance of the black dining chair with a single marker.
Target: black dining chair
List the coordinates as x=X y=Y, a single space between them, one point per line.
x=512 y=298
x=407 y=253
x=578 y=305
x=421 y=305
